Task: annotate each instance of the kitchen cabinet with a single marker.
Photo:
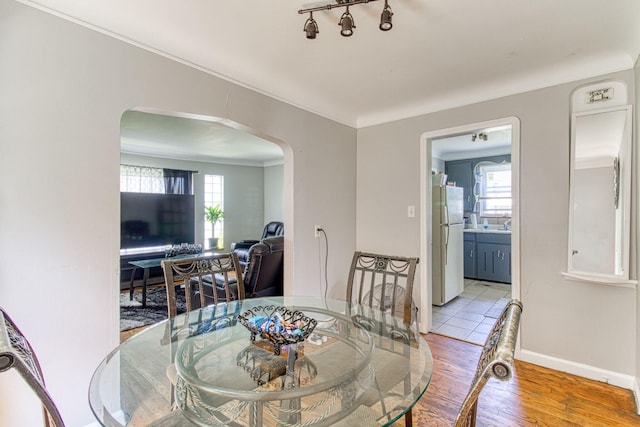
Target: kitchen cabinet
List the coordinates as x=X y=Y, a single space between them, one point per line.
x=494 y=262
x=470 y=270
x=461 y=172
x=487 y=256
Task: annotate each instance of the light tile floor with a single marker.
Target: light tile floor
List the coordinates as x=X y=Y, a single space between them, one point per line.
x=473 y=313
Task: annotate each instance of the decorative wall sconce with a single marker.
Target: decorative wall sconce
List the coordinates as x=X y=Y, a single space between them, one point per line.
x=346 y=23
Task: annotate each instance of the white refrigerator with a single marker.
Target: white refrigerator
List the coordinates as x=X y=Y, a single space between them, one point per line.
x=448 y=243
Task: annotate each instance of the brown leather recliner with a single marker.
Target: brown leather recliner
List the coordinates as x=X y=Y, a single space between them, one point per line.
x=263 y=276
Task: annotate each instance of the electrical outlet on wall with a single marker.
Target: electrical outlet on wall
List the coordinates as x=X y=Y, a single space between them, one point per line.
x=316 y=230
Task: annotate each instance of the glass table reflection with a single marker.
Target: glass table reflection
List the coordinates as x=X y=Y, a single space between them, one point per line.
x=358 y=367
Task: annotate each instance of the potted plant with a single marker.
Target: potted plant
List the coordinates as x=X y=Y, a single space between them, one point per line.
x=213 y=215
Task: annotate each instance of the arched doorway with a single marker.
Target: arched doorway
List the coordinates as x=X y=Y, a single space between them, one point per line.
x=252 y=171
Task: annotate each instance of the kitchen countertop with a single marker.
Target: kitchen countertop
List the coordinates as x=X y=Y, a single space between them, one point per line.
x=490 y=230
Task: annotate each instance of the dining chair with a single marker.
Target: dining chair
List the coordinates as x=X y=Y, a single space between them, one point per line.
x=384 y=284
x=16 y=352
x=190 y=274
x=496 y=360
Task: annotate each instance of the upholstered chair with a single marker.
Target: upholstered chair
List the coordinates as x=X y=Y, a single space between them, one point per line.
x=241 y=248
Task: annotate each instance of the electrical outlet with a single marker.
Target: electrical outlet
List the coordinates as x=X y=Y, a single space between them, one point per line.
x=316 y=230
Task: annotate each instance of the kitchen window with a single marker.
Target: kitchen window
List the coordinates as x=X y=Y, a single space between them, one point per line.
x=493 y=189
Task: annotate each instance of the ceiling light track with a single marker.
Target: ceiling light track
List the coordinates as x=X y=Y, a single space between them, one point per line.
x=346 y=23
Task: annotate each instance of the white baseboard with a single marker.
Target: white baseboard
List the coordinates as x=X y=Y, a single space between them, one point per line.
x=591 y=372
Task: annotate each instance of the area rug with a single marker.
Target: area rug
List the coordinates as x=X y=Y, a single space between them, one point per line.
x=133 y=315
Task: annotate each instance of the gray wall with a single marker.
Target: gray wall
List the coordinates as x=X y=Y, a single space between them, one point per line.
x=635 y=225
x=64 y=89
x=244 y=190
x=588 y=328
x=273 y=193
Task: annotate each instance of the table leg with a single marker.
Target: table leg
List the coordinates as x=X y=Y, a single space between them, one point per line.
x=133 y=275
x=255 y=414
x=145 y=279
x=291 y=407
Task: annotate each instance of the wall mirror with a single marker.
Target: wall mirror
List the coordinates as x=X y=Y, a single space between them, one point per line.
x=600 y=184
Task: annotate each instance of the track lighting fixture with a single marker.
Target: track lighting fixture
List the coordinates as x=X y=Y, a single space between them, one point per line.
x=311 y=27
x=346 y=23
x=482 y=135
x=385 y=17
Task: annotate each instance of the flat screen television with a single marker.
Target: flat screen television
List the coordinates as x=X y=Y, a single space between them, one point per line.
x=151 y=220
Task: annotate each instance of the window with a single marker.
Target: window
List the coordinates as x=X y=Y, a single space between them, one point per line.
x=493 y=189
x=141 y=179
x=214 y=195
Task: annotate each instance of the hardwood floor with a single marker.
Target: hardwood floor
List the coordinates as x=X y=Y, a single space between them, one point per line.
x=125 y=335
x=535 y=396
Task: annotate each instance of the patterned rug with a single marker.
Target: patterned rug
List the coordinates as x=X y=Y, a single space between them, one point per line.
x=132 y=315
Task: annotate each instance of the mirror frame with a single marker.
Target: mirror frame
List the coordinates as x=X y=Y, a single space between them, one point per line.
x=583 y=104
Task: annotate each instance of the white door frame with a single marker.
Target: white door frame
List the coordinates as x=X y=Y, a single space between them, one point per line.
x=425 y=208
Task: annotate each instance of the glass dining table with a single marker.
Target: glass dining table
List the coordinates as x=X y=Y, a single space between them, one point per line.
x=359 y=366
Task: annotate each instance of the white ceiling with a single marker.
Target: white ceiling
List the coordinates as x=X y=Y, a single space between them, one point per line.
x=440 y=54
x=458 y=147
x=197 y=139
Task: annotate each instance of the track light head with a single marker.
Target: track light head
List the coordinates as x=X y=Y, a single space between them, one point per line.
x=347 y=24
x=385 y=18
x=311 y=27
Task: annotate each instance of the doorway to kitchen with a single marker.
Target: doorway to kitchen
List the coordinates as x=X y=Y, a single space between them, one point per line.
x=470 y=226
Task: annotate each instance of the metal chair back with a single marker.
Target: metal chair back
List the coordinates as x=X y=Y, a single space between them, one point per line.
x=385 y=283
x=16 y=352
x=224 y=270
x=496 y=360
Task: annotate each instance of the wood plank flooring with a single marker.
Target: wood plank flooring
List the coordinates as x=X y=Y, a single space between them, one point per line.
x=536 y=396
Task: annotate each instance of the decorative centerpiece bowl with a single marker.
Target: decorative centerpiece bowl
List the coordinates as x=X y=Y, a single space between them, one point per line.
x=277 y=324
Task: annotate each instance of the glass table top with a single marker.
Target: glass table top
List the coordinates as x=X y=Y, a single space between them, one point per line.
x=156 y=262
x=202 y=368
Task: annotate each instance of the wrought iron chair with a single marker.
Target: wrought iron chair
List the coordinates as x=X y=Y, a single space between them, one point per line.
x=190 y=273
x=496 y=360
x=222 y=269
x=385 y=283
x=16 y=352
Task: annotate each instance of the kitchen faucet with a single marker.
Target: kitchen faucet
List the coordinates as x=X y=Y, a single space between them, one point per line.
x=506 y=224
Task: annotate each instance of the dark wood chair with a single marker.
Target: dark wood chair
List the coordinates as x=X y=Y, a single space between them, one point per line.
x=385 y=283
x=496 y=360
x=16 y=352
x=190 y=272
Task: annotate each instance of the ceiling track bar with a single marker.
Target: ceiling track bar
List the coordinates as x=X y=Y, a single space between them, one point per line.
x=333 y=6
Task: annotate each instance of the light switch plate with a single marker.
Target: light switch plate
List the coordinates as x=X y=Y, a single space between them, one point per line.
x=411 y=211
